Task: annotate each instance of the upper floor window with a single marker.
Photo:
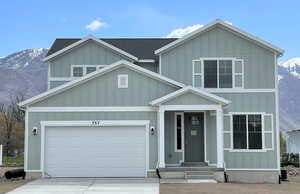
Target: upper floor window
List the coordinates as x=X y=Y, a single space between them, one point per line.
x=218 y=73
x=81 y=70
x=247 y=131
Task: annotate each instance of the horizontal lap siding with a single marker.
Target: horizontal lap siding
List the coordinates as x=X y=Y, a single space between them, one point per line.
x=34 y=142
x=258 y=61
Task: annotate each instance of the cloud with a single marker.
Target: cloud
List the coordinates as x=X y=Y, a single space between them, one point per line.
x=95 y=25
x=177 y=33
x=180 y=32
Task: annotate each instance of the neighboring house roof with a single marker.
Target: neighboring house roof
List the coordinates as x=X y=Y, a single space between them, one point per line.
x=292 y=130
x=193 y=90
x=226 y=26
x=142 y=48
x=95 y=74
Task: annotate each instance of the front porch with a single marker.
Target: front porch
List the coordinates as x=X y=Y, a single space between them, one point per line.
x=190 y=129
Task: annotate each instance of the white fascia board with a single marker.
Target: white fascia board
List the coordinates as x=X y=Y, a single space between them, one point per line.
x=146 y=61
x=93 y=109
x=95 y=74
x=86 y=39
x=184 y=90
x=231 y=27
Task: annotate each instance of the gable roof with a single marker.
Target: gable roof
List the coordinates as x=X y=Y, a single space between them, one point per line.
x=109 y=68
x=193 y=90
x=142 y=48
x=226 y=26
x=85 y=40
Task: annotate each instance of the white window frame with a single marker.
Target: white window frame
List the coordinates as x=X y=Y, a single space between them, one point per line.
x=218 y=78
x=182 y=131
x=121 y=76
x=84 y=68
x=262 y=114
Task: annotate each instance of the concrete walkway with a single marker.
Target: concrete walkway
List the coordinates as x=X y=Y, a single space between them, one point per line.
x=89 y=186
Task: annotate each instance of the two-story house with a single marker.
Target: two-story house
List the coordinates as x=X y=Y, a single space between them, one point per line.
x=189 y=108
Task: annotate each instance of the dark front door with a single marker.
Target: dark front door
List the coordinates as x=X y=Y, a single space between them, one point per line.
x=194 y=137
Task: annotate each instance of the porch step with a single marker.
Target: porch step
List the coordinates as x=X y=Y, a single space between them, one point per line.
x=191 y=164
x=184 y=169
x=177 y=181
x=199 y=175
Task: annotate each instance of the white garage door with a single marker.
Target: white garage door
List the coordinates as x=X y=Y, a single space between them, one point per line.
x=95 y=151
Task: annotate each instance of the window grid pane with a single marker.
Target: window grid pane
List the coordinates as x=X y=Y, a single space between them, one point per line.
x=77 y=71
x=225 y=74
x=178 y=132
x=90 y=69
x=210 y=74
x=239 y=132
x=255 y=132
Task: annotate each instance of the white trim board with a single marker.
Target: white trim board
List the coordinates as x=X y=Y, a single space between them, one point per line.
x=94 y=109
x=109 y=68
x=195 y=91
x=85 y=39
x=93 y=123
x=229 y=27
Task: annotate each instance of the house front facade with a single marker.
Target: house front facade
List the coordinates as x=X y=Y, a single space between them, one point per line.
x=126 y=107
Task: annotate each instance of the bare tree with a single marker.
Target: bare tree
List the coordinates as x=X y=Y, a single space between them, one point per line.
x=10 y=117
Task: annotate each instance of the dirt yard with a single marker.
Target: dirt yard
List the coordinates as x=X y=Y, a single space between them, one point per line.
x=8 y=185
x=290 y=187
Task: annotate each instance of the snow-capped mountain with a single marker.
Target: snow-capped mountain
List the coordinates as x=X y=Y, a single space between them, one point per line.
x=25 y=73
x=289 y=93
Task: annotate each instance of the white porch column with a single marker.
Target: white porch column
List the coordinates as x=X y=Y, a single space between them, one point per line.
x=220 y=150
x=161 y=150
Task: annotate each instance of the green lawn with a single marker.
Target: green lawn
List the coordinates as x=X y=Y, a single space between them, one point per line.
x=13 y=161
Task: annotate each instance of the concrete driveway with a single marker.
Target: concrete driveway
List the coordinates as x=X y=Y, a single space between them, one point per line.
x=89 y=186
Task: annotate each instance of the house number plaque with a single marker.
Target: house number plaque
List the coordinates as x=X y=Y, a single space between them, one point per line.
x=95 y=123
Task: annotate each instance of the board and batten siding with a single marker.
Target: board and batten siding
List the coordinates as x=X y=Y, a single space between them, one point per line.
x=35 y=118
x=258 y=62
x=88 y=53
x=251 y=102
x=104 y=91
x=241 y=102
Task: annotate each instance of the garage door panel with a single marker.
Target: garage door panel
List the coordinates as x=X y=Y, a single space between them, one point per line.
x=95 y=151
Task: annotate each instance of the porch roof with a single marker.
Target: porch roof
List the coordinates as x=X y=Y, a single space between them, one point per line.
x=206 y=96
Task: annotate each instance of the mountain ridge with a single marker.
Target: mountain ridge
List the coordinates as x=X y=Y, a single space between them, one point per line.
x=24 y=72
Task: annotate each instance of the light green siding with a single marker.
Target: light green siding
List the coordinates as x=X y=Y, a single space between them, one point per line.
x=171 y=156
x=251 y=102
x=211 y=137
x=188 y=99
x=104 y=91
x=259 y=62
x=34 y=142
x=89 y=53
x=54 y=84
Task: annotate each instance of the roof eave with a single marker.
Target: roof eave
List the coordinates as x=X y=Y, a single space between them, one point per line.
x=220 y=22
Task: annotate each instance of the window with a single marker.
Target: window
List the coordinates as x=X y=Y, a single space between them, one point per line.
x=178 y=132
x=77 y=71
x=90 y=69
x=225 y=74
x=81 y=70
x=247 y=131
x=218 y=73
x=210 y=73
x=123 y=81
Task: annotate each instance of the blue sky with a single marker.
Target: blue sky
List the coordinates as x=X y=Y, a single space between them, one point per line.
x=35 y=24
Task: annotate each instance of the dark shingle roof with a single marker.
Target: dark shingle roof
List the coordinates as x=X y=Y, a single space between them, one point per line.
x=142 y=48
